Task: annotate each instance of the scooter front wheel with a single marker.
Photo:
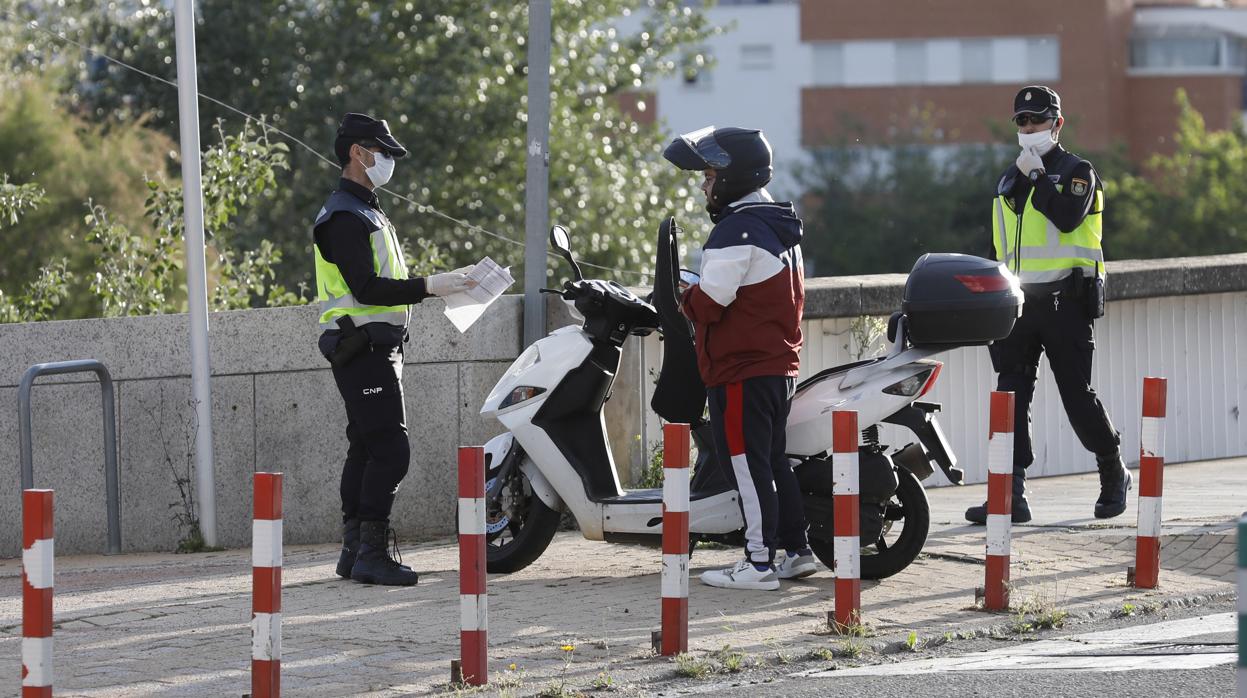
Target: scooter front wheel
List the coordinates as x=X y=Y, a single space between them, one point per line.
x=518 y=525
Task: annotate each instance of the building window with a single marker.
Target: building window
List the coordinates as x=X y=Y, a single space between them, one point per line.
x=1000 y=60
x=1176 y=52
x=1043 y=58
x=911 y=62
x=756 y=57
x=829 y=63
x=976 y=60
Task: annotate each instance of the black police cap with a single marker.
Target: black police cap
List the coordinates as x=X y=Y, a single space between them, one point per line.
x=1037 y=99
x=357 y=127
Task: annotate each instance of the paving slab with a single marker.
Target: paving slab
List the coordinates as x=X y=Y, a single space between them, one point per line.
x=163 y=624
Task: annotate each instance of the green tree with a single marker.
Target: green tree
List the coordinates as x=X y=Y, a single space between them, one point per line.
x=450 y=76
x=876 y=208
x=142 y=274
x=42 y=144
x=1187 y=203
x=46 y=291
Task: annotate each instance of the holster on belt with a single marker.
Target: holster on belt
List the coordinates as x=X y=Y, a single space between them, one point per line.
x=353 y=342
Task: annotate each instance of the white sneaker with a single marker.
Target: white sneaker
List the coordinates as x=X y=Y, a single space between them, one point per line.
x=742 y=576
x=796 y=566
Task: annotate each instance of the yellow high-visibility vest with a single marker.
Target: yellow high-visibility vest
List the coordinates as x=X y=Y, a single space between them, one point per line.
x=334 y=295
x=1041 y=253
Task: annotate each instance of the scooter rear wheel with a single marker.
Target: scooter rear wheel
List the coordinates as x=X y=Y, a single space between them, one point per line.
x=892 y=552
x=518 y=525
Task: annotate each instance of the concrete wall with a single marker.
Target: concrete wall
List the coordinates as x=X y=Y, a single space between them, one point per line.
x=275 y=407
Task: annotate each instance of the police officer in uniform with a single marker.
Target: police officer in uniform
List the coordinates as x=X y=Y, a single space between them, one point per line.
x=365 y=294
x=1047 y=227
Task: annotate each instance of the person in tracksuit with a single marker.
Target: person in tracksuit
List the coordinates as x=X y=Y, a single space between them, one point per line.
x=365 y=297
x=746 y=313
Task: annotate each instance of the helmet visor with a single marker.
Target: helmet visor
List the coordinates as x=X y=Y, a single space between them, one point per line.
x=697 y=150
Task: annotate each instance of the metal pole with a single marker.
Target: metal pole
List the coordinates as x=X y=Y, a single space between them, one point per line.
x=537 y=198
x=196 y=277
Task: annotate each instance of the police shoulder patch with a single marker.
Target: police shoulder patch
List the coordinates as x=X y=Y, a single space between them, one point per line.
x=1079 y=186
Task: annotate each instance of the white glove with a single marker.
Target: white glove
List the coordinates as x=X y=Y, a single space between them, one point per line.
x=465 y=270
x=447 y=283
x=1028 y=161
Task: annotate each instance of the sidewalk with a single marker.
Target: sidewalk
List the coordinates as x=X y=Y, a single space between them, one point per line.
x=164 y=624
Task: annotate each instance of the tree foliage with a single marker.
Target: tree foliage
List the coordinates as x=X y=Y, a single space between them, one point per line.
x=143 y=274
x=44 y=146
x=450 y=76
x=877 y=208
x=1189 y=202
x=139 y=270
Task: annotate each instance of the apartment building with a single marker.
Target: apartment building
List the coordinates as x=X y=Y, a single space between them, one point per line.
x=811 y=72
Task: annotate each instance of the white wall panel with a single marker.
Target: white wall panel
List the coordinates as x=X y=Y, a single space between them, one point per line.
x=1193 y=341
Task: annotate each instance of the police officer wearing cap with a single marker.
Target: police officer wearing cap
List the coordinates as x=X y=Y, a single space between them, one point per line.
x=1047 y=227
x=365 y=297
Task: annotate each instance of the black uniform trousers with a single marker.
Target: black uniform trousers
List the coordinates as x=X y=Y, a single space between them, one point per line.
x=1059 y=326
x=749 y=420
x=378 y=452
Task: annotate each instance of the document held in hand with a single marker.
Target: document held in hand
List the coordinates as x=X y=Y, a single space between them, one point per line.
x=467 y=307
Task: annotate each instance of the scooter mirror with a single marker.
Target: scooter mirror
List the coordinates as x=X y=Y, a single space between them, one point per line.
x=560 y=240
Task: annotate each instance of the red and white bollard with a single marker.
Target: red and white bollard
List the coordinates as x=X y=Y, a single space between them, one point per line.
x=846 y=523
x=266 y=556
x=473 y=667
x=1151 y=478
x=999 y=501
x=36 y=593
x=675 y=482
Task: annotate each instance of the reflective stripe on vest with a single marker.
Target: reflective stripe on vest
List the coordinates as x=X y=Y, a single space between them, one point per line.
x=1046 y=254
x=335 y=296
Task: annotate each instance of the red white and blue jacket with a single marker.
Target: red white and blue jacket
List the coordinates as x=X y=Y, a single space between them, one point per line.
x=746 y=309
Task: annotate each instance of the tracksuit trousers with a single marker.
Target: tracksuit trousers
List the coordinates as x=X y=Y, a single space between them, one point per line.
x=748 y=420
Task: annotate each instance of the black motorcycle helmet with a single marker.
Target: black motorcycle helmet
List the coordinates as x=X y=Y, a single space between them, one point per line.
x=740 y=157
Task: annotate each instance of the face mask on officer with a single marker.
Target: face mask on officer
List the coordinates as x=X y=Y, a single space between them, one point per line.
x=381 y=170
x=1042 y=141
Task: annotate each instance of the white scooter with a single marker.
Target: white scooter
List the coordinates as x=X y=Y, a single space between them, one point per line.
x=556 y=454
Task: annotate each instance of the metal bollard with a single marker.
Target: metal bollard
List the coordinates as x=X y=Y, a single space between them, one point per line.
x=1242 y=607
x=999 y=501
x=266 y=554
x=473 y=667
x=1151 y=480
x=846 y=520
x=675 y=493
x=37 y=593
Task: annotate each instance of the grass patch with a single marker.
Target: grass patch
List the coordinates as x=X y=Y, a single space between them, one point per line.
x=691 y=667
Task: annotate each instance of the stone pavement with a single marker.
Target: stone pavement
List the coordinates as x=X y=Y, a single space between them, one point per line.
x=163 y=624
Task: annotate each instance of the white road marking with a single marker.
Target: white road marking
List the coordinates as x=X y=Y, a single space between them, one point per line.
x=1123 y=649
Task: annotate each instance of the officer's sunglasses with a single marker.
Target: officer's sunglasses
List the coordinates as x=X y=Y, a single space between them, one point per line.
x=1034 y=119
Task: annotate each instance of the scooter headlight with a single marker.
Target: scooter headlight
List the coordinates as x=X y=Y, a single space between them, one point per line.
x=520 y=394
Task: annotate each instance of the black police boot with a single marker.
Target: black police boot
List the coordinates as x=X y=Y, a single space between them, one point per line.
x=1115 y=481
x=1021 y=512
x=350 y=546
x=373 y=563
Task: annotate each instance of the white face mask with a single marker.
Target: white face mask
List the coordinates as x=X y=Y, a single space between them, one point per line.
x=381 y=171
x=1042 y=141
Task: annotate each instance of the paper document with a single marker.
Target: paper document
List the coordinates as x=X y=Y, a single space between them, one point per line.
x=467 y=307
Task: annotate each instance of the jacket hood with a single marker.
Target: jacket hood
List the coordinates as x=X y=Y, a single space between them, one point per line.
x=780 y=216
